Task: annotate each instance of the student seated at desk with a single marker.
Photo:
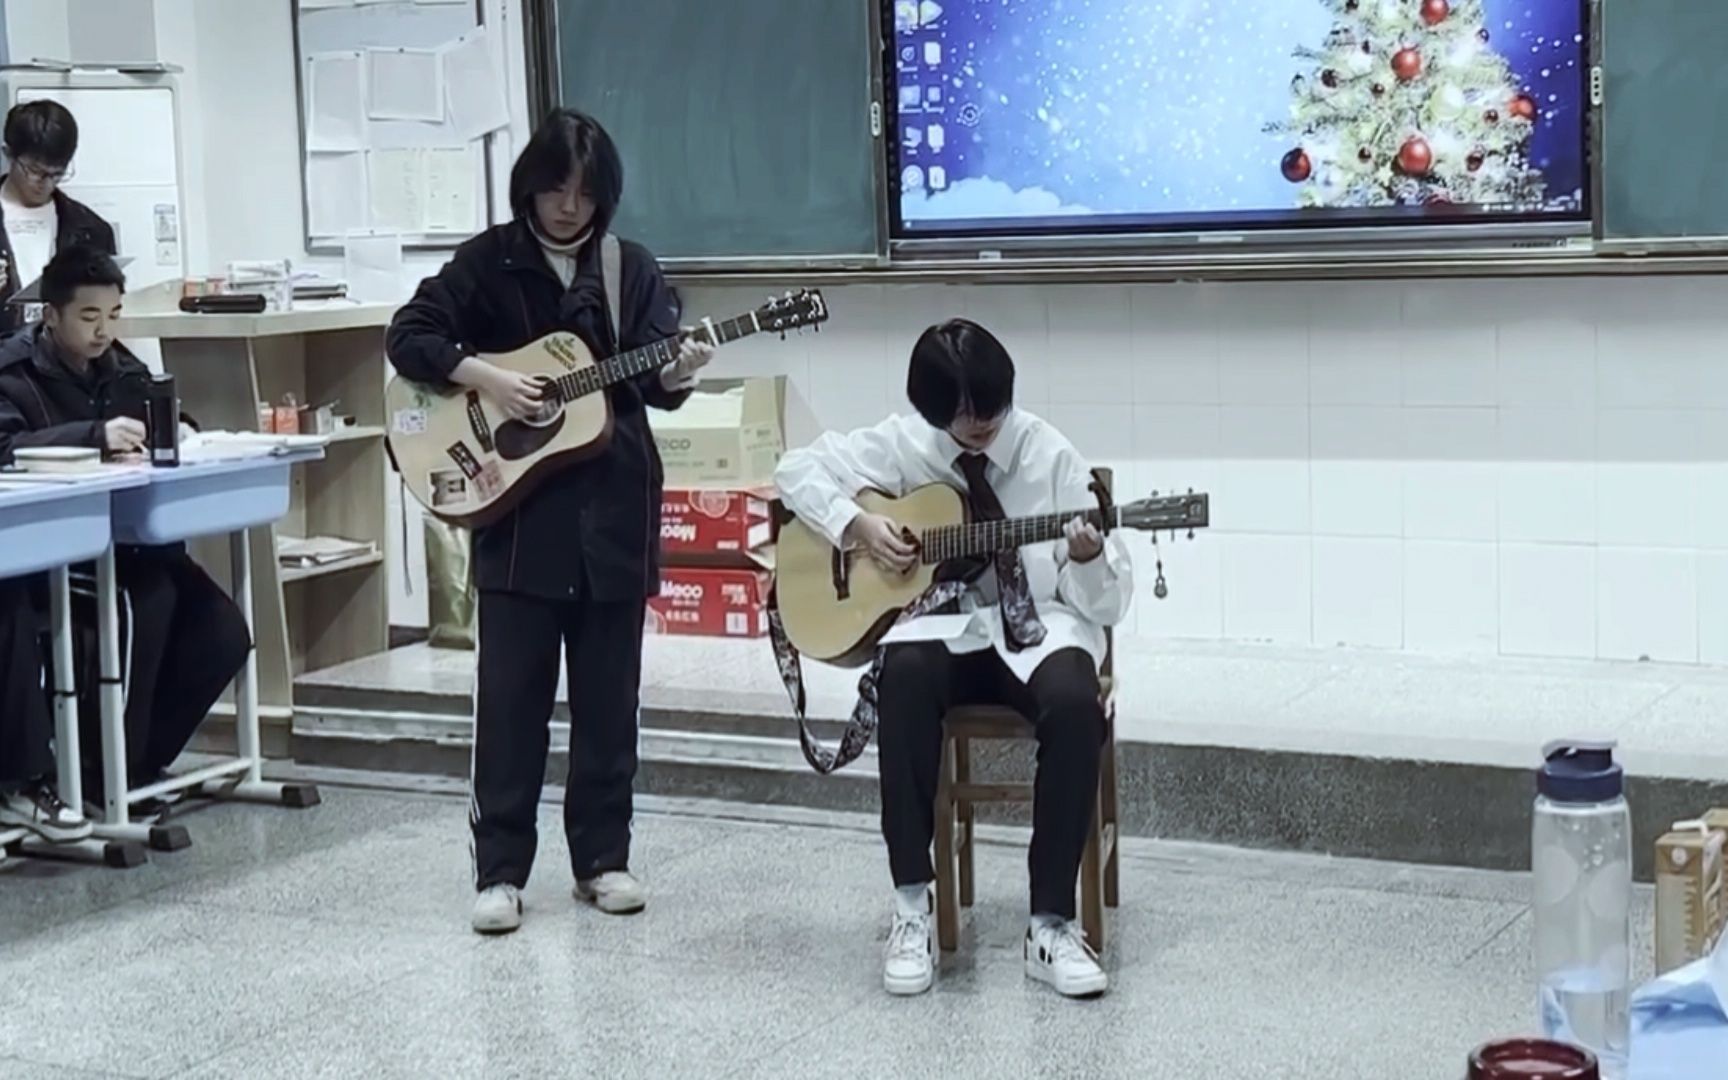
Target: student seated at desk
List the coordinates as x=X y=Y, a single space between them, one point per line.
x=27 y=794
x=67 y=382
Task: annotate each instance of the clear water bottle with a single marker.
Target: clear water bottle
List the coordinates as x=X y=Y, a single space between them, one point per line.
x=1581 y=848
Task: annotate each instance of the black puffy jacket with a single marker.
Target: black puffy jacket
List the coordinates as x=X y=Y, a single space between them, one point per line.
x=45 y=403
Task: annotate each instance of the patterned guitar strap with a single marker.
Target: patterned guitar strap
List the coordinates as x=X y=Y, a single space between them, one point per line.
x=861 y=726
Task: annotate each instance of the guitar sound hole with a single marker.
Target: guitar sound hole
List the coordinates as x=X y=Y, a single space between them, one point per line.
x=516 y=440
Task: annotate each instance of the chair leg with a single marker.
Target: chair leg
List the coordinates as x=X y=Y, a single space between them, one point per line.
x=1107 y=796
x=1091 y=885
x=947 y=903
x=963 y=775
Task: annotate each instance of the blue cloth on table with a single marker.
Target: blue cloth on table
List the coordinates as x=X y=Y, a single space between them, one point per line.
x=1680 y=1022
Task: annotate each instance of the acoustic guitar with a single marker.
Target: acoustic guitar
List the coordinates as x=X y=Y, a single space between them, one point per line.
x=836 y=605
x=469 y=463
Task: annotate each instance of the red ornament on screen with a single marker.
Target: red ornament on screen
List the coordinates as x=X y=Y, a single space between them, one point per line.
x=1379 y=89
x=1415 y=157
x=1475 y=161
x=1365 y=154
x=1523 y=107
x=1296 y=166
x=1492 y=116
x=1406 y=64
x=1434 y=12
x=1330 y=78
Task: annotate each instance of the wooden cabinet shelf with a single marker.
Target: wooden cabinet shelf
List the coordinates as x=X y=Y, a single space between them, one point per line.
x=312 y=617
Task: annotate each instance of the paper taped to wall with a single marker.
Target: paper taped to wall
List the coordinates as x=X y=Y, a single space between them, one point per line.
x=336 y=102
x=405 y=84
x=474 y=86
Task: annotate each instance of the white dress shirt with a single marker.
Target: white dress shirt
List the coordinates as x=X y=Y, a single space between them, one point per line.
x=1033 y=469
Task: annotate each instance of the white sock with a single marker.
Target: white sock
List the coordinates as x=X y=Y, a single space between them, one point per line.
x=1046 y=922
x=912 y=900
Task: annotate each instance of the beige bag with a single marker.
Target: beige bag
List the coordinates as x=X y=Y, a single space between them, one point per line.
x=451 y=602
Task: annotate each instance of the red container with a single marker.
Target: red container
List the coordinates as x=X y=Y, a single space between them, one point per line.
x=1532 y=1059
x=710 y=602
x=714 y=526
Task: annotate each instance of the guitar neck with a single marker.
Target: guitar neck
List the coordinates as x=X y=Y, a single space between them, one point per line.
x=628 y=365
x=988 y=537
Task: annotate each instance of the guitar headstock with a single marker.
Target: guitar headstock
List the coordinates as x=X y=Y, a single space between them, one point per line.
x=1167 y=513
x=793 y=311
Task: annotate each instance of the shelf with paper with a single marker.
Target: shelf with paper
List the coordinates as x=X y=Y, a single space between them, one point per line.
x=224 y=366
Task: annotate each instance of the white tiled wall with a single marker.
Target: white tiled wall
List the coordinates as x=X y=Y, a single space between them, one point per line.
x=1533 y=468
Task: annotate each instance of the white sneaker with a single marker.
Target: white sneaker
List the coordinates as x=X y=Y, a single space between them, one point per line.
x=40 y=809
x=907 y=966
x=498 y=909
x=1057 y=954
x=616 y=892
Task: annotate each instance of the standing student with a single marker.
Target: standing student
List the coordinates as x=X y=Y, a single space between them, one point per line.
x=1046 y=605
x=36 y=217
x=68 y=382
x=568 y=572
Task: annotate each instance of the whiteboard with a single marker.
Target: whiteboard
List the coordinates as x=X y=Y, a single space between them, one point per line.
x=399 y=170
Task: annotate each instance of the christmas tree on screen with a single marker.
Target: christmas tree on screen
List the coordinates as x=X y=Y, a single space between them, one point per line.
x=1406 y=103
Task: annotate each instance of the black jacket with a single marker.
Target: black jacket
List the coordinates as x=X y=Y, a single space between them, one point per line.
x=592 y=530
x=78 y=226
x=44 y=403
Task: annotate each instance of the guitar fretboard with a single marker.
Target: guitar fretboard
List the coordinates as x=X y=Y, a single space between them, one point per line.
x=988 y=537
x=628 y=365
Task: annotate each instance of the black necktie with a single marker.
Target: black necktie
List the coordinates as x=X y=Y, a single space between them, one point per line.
x=1020 y=625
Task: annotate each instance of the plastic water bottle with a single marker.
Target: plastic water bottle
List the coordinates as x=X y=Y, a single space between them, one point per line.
x=1581 y=847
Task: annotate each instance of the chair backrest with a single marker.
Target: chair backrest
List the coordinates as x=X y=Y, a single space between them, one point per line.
x=1106 y=478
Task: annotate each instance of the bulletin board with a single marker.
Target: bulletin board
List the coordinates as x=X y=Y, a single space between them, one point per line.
x=398 y=100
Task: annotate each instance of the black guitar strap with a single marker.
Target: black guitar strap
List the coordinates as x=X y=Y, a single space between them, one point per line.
x=861 y=726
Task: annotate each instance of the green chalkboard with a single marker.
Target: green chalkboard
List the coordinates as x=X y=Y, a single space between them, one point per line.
x=745 y=125
x=1664 y=121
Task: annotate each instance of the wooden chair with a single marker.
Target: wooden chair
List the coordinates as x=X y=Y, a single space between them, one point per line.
x=957 y=795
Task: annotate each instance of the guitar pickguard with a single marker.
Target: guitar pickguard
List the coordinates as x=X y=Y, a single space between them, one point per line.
x=516 y=440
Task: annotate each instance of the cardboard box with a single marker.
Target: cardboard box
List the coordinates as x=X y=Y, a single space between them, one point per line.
x=711 y=602
x=731 y=433
x=1689 y=893
x=714 y=526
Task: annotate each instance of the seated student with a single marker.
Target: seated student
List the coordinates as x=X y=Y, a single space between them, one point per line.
x=36 y=217
x=27 y=793
x=67 y=382
x=1056 y=597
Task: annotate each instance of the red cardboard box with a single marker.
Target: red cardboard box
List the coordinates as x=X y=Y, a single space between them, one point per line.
x=711 y=602
x=714 y=526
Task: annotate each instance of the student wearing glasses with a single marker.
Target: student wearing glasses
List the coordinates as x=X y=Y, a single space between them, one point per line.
x=37 y=219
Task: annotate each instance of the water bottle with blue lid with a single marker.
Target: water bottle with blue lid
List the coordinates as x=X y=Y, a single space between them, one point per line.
x=1581 y=852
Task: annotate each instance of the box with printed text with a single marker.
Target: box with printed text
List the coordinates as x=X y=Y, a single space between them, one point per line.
x=715 y=525
x=711 y=602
